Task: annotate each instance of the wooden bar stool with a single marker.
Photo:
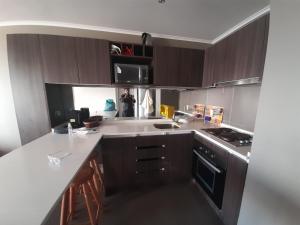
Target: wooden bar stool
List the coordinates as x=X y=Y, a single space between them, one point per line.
x=85 y=186
x=98 y=176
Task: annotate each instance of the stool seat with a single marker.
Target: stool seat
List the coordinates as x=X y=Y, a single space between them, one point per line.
x=85 y=174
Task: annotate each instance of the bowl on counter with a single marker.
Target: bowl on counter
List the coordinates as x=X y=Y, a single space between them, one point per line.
x=93 y=121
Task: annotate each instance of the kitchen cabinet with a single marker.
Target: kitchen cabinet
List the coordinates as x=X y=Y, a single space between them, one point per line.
x=132 y=162
x=178 y=67
x=27 y=86
x=118 y=155
x=180 y=155
x=58 y=57
x=234 y=188
x=93 y=61
x=239 y=56
x=191 y=67
x=166 y=66
x=152 y=160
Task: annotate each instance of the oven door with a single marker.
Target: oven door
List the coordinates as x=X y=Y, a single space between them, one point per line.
x=210 y=177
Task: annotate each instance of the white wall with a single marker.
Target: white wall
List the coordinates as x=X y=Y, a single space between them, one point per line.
x=9 y=131
x=272 y=191
x=93 y=98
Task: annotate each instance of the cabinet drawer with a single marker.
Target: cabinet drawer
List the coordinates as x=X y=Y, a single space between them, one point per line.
x=150 y=152
x=148 y=141
x=151 y=165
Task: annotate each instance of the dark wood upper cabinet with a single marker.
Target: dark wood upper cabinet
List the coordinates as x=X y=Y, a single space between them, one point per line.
x=208 y=70
x=166 y=66
x=239 y=56
x=191 y=67
x=93 y=61
x=251 y=49
x=178 y=67
x=27 y=86
x=59 y=64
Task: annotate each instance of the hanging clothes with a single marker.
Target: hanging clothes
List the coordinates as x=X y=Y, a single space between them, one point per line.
x=147 y=103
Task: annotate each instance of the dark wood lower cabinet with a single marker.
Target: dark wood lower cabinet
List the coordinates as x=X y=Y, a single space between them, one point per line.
x=180 y=155
x=131 y=162
x=234 y=188
x=118 y=163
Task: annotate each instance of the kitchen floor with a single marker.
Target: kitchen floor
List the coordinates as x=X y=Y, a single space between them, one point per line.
x=167 y=205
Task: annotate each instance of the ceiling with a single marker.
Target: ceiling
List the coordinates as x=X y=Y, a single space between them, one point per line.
x=195 y=20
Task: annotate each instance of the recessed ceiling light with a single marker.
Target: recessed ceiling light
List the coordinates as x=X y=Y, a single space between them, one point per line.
x=161 y=1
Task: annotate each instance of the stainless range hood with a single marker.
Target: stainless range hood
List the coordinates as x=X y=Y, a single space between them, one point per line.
x=252 y=80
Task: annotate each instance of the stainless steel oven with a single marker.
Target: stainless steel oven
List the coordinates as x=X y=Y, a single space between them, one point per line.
x=209 y=175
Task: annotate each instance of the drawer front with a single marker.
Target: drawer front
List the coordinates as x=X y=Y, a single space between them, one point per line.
x=156 y=140
x=151 y=165
x=150 y=152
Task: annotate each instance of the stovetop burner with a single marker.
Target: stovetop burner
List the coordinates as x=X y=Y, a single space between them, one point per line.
x=231 y=136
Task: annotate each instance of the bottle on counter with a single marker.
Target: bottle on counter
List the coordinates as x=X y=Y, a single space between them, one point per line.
x=70 y=129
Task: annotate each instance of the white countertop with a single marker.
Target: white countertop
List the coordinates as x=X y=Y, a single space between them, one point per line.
x=30 y=187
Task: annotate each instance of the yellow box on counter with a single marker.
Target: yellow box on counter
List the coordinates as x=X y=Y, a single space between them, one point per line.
x=167 y=111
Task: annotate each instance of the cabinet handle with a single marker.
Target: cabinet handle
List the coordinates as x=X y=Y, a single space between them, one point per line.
x=150 y=159
x=149 y=147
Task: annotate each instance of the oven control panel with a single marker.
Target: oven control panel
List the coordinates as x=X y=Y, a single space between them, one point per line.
x=211 y=152
x=206 y=153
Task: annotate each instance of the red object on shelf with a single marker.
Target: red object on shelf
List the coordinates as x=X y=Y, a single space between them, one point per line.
x=127 y=51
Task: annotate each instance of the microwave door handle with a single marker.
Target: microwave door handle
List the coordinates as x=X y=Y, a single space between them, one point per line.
x=207 y=162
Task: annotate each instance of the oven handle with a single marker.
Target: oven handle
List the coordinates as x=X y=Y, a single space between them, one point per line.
x=207 y=162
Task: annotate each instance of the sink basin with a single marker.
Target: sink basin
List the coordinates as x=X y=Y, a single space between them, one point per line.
x=166 y=125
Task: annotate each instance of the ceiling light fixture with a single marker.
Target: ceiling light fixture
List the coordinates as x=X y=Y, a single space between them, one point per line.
x=161 y=1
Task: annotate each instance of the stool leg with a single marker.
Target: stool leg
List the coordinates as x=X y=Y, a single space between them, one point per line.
x=88 y=203
x=96 y=197
x=72 y=201
x=97 y=175
x=64 y=209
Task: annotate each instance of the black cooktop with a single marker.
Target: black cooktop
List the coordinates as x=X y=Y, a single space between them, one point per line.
x=231 y=136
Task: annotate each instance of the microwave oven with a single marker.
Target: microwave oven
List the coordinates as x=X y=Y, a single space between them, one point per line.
x=131 y=74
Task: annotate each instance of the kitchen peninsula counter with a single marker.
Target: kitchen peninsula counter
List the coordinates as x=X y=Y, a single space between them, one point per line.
x=31 y=187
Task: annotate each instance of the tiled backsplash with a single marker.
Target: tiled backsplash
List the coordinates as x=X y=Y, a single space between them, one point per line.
x=239 y=102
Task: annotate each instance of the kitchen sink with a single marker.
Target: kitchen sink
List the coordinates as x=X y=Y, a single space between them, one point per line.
x=166 y=125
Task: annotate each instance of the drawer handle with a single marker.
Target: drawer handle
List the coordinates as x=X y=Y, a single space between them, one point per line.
x=149 y=171
x=150 y=159
x=149 y=147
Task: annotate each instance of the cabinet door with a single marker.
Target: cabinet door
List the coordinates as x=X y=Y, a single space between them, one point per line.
x=93 y=61
x=27 y=86
x=179 y=151
x=234 y=188
x=208 y=70
x=59 y=59
x=191 y=67
x=118 y=163
x=251 y=49
x=166 y=66
x=239 y=56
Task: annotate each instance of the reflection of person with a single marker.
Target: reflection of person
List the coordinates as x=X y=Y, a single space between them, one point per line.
x=128 y=103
